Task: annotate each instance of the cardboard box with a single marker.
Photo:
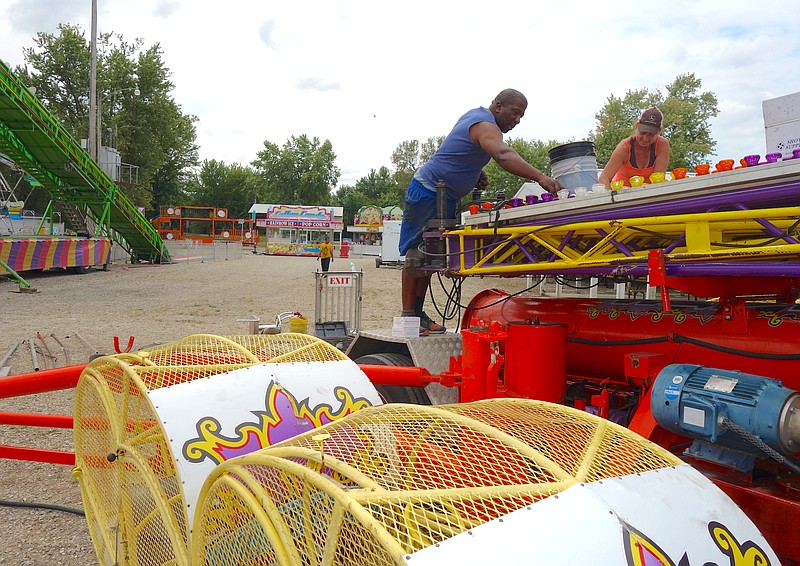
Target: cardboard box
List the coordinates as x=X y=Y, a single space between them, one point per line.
x=782 y=123
x=405 y=327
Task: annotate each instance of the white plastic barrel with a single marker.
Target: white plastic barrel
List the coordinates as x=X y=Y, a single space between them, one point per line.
x=574 y=165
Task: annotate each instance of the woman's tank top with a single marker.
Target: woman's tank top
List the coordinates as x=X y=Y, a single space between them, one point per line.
x=630 y=168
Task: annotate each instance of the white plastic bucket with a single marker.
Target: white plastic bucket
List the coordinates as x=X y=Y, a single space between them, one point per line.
x=574 y=165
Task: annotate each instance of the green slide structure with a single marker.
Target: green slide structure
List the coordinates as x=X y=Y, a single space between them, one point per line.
x=38 y=143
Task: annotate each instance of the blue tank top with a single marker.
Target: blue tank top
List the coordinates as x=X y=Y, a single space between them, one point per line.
x=459 y=160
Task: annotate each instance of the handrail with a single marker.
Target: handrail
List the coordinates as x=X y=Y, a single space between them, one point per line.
x=29 y=133
x=43 y=381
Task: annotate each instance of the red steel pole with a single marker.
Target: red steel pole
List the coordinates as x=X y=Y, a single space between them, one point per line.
x=33 y=419
x=40 y=381
x=37 y=455
x=405 y=376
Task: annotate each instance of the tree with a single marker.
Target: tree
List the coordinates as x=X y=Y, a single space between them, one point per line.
x=409 y=156
x=234 y=187
x=686 y=120
x=616 y=119
x=534 y=152
x=406 y=160
x=351 y=200
x=380 y=188
x=60 y=73
x=301 y=172
x=149 y=130
x=162 y=137
x=687 y=113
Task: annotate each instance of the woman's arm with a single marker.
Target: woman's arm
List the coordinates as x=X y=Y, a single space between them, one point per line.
x=616 y=160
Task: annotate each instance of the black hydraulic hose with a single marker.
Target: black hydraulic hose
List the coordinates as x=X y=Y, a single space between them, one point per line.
x=51 y=507
x=758 y=355
x=656 y=340
x=677 y=338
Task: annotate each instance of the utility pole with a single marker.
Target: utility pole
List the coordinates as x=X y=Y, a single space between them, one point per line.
x=91 y=140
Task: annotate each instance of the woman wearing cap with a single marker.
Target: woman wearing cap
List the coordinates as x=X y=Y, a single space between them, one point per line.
x=644 y=153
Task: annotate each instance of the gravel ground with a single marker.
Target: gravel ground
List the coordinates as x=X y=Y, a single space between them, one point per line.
x=78 y=315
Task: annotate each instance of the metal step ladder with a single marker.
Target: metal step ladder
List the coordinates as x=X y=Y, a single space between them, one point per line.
x=73 y=216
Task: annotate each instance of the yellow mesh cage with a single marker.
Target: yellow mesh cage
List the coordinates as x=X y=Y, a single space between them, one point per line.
x=390 y=480
x=129 y=482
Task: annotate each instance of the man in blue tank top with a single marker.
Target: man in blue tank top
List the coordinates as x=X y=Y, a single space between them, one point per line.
x=476 y=138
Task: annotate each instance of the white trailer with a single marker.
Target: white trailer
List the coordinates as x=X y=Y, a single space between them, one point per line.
x=390 y=246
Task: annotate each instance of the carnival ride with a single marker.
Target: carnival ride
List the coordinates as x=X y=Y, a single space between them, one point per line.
x=276 y=449
x=204 y=224
x=501 y=464
x=174 y=444
x=709 y=371
x=39 y=144
x=142 y=451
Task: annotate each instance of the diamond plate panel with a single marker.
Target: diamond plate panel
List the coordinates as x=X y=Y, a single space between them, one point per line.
x=431 y=352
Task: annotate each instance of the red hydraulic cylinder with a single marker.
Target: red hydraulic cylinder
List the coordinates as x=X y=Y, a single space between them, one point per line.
x=404 y=376
x=481 y=363
x=536 y=360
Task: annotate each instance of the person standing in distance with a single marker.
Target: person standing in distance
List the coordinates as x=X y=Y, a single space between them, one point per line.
x=476 y=138
x=642 y=154
x=325 y=254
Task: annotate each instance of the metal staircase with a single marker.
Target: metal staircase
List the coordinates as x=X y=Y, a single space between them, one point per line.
x=38 y=143
x=74 y=216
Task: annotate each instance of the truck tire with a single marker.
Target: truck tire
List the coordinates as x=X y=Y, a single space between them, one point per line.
x=396 y=393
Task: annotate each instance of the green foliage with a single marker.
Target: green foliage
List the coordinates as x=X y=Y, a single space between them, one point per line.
x=234 y=187
x=534 y=152
x=149 y=130
x=429 y=147
x=59 y=70
x=303 y=171
x=406 y=160
x=686 y=110
x=409 y=156
x=378 y=188
x=162 y=138
x=687 y=113
x=351 y=200
x=616 y=120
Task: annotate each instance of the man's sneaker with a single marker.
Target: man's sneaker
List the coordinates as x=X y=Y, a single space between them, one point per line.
x=423 y=331
x=432 y=327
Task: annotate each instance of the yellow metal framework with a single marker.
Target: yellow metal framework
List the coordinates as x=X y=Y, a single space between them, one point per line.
x=386 y=481
x=715 y=236
x=131 y=489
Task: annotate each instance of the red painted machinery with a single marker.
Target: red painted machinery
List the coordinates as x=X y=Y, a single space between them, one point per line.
x=714 y=381
x=613 y=357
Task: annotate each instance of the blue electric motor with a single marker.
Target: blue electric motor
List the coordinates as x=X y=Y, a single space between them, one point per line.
x=727 y=413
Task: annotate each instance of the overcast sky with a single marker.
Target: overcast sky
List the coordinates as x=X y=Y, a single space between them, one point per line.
x=369 y=75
